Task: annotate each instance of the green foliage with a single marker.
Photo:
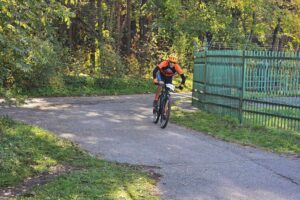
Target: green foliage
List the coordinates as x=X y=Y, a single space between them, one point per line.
x=85 y=86
x=12 y=96
x=45 y=61
x=41 y=41
x=231 y=23
x=183 y=47
x=27 y=151
x=30 y=52
x=77 y=62
x=133 y=66
x=110 y=63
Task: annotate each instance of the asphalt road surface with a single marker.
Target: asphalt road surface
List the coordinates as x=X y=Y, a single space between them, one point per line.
x=192 y=165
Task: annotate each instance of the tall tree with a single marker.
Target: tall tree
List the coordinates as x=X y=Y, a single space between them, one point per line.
x=128 y=29
x=118 y=33
x=92 y=39
x=99 y=15
x=142 y=20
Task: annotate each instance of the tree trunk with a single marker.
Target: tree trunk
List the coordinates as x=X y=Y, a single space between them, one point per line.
x=249 y=35
x=92 y=21
x=70 y=29
x=235 y=14
x=275 y=34
x=244 y=25
x=142 y=21
x=253 y=26
x=99 y=15
x=209 y=37
x=118 y=26
x=128 y=18
x=112 y=12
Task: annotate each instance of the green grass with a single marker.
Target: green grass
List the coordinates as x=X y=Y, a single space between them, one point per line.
x=27 y=151
x=87 y=86
x=227 y=129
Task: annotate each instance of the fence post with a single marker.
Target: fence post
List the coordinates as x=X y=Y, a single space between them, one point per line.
x=241 y=113
x=205 y=67
x=205 y=77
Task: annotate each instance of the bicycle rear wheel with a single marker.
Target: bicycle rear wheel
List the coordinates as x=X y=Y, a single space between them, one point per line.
x=156 y=112
x=165 y=113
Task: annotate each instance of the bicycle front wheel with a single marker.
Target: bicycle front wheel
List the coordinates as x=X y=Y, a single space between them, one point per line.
x=165 y=114
x=156 y=113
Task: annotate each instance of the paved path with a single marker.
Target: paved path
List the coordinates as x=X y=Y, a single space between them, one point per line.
x=192 y=165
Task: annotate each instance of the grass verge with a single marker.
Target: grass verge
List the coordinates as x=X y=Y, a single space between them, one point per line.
x=277 y=140
x=27 y=151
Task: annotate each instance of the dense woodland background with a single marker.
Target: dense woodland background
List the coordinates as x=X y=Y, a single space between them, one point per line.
x=50 y=42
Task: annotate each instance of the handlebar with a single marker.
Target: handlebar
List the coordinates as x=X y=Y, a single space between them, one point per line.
x=161 y=83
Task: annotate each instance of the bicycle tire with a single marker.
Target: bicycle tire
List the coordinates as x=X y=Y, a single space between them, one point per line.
x=165 y=113
x=156 y=113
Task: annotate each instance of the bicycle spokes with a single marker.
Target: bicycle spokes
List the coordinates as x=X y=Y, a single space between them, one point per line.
x=166 y=109
x=165 y=114
x=156 y=112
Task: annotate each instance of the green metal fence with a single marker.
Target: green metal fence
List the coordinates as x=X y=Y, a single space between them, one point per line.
x=259 y=87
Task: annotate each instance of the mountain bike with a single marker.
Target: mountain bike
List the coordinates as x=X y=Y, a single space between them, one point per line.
x=163 y=109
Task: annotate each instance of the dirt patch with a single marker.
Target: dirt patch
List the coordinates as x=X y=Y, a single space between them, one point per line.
x=151 y=170
x=31 y=182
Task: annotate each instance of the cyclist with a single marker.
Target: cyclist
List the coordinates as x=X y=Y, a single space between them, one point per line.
x=164 y=73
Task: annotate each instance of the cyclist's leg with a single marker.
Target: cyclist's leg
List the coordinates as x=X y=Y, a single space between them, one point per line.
x=167 y=79
x=158 y=90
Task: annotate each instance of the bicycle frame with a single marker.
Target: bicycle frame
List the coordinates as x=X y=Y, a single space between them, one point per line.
x=163 y=112
x=164 y=95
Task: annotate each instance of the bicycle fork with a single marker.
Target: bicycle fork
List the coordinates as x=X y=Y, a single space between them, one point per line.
x=162 y=103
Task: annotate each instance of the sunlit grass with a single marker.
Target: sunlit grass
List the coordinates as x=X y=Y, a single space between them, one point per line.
x=108 y=182
x=27 y=151
x=228 y=129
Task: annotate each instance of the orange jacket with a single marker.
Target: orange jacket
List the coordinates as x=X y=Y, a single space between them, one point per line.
x=166 y=70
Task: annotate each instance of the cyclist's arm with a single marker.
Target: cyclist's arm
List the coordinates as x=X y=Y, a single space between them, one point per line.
x=156 y=69
x=183 y=78
x=180 y=72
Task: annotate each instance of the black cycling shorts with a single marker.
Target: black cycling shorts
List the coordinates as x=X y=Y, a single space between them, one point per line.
x=166 y=79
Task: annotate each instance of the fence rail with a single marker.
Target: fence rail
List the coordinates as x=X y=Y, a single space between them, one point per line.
x=260 y=87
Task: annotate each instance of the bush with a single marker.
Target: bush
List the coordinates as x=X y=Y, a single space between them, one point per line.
x=75 y=81
x=110 y=63
x=83 y=85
